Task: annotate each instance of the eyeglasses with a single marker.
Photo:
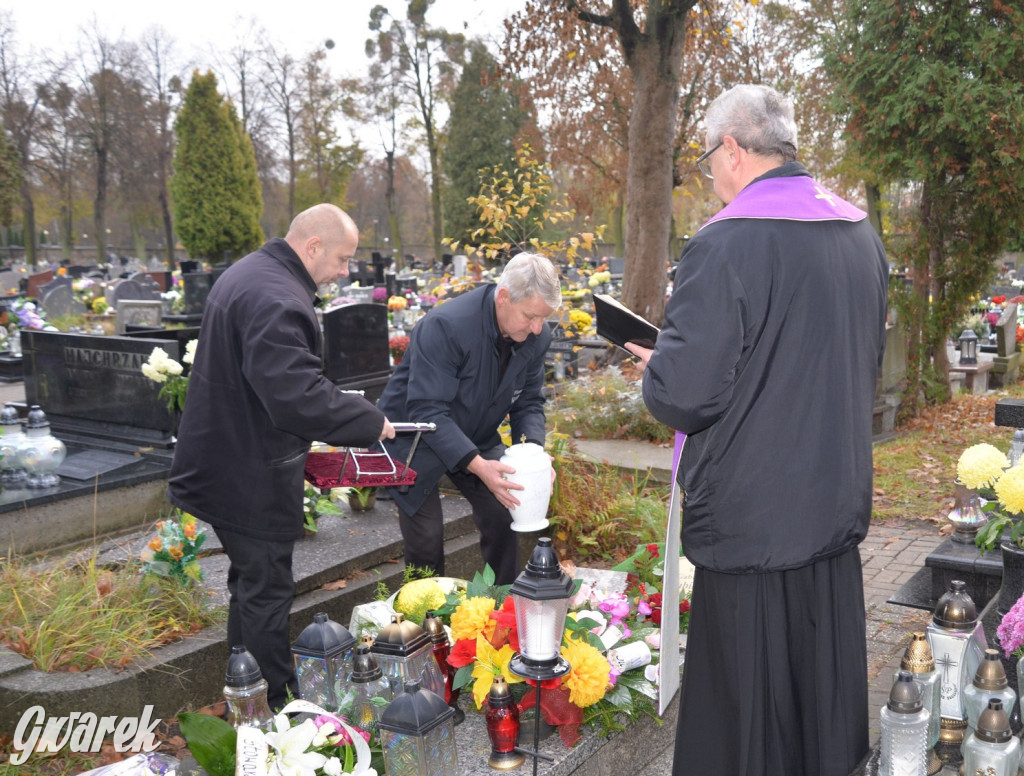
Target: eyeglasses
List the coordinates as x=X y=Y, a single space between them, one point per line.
x=704 y=163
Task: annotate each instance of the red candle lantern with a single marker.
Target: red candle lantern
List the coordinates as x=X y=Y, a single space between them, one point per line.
x=502 y=718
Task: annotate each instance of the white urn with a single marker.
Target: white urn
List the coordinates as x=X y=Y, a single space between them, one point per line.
x=533 y=471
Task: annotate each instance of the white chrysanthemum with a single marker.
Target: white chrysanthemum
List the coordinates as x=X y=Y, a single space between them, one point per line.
x=980 y=465
x=1010 y=489
x=171 y=367
x=153 y=373
x=190 y=351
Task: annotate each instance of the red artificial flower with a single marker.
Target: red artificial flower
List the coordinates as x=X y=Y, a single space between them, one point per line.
x=505 y=630
x=684 y=606
x=463 y=653
x=653 y=550
x=998 y=299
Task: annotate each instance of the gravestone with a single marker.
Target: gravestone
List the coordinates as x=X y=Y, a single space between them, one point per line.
x=561 y=362
x=10 y=282
x=57 y=299
x=161 y=278
x=138 y=312
x=1006 y=362
x=129 y=288
x=93 y=386
x=37 y=280
x=459 y=264
x=188 y=265
x=356 y=348
x=406 y=283
x=196 y=287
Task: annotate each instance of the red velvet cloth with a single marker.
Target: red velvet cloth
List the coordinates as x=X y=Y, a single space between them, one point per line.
x=324 y=470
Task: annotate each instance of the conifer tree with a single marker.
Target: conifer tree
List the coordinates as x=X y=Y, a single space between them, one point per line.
x=217 y=199
x=10 y=178
x=485 y=121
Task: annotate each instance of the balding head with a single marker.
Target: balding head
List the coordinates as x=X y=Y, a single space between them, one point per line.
x=325 y=238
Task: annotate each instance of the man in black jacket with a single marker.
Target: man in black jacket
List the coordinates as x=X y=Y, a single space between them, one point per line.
x=257 y=397
x=471 y=362
x=768 y=360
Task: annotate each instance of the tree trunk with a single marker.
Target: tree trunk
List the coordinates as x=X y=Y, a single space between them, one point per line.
x=435 y=191
x=655 y=62
x=100 y=203
x=28 y=212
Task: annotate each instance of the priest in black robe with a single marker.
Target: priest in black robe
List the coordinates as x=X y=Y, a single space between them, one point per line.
x=768 y=361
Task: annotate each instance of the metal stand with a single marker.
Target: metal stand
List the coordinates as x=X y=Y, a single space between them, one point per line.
x=538 y=672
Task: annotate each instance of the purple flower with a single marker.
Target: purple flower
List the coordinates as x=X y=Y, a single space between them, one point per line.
x=380 y=294
x=1011 y=629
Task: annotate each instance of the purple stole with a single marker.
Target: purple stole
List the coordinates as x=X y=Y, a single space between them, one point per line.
x=793 y=198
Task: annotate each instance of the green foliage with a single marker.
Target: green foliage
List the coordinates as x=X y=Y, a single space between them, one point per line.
x=211 y=741
x=485 y=120
x=598 y=512
x=216 y=189
x=934 y=95
x=10 y=178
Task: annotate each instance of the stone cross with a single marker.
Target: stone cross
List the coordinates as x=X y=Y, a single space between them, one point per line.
x=1006 y=331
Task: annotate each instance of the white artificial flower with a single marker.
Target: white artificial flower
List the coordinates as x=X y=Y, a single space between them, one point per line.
x=153 y=373
x=332 y=767
x=190 y=351
x=322 y=734
x=291 y=746
x=172 y=367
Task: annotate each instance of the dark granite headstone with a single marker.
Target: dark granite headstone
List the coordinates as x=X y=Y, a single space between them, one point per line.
x=93 y=385
x=197 y=287
x=356 y=347
x=408 y=283
x=1010 y=412
x=130 y=288
x=161 y=278
x=188 y=265
x=616 y=266
x=89 y=464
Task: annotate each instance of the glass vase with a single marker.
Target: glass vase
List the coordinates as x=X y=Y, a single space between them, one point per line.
x=966 y=516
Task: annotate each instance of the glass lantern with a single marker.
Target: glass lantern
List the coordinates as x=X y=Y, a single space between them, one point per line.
x=417 y=734
x=918 y=660
x=367 y=694
x=967 y=516
x=904 y=722
x=541 y=594
x=442 y=648
x=502 y=716
x=968 y=347
x=992 y=749
x=323 y=661
x=957 y=641
x=989 y=682
x=11 y=436
x=245 y=691
x=404 y=652
x=40 y=452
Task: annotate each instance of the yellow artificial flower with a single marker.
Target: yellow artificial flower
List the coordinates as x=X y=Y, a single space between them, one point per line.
x=489 y=663
x=473 y=618
x=588 y=679
x=980 y=465
x=1010 y=489
x=397 y=303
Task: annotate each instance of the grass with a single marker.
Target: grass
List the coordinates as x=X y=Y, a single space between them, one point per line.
x=76 y=615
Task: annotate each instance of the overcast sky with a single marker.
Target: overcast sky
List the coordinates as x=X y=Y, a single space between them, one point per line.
x=201 y=25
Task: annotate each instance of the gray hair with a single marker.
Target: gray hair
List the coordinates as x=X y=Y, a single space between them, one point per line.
x=758 y=117
x=529 y=274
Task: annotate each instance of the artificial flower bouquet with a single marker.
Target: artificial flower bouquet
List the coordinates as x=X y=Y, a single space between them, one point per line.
x=985 y=469
x=174 y=551
x=162 y=369
x=1010 y=631
x=314 y=743
x=316 y=504
x=485 y=636
x=645 y=571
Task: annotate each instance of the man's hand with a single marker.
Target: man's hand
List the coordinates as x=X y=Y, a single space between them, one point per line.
x=492 y=474
x=388 y=432
x=644 y=354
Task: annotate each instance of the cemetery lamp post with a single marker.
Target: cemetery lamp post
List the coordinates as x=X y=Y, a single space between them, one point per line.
x=541 y=595
x=968 y=347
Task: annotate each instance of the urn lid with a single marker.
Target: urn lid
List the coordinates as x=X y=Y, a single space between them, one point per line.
x=9 y=416
x=401 y=638
x=242 y=670
x=364 y=667
x=323 y=638
x=918 y=658
x=36 y=418
x=500 y=694
x=993 y=724
x=955 y=609
x=416 y=711
x=435 y=628
x=990 y=674
x=905 y=695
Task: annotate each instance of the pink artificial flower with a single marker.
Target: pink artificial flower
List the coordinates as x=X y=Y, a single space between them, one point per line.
x=616 y=607
x=643 y=607
x=1010 y=631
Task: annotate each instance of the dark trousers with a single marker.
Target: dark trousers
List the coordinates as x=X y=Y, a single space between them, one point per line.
x=775 y=680
x=261 y=589
x=423 y=532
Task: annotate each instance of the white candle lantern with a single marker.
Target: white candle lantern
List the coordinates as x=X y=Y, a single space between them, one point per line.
x=541 y=594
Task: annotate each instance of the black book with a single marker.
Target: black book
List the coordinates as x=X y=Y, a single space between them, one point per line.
x=619 y=325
